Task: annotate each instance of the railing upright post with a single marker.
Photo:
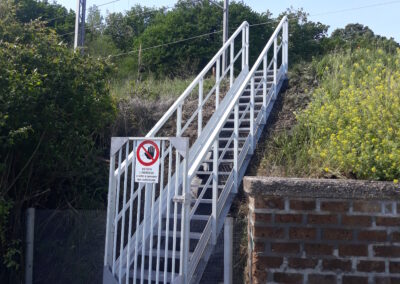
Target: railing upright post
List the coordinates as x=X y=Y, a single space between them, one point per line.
x=251 y=150
x=286 y=36
x=179 y=120
x=231 y=64
x=265 y=79
x=200 y=114
x=184 y=261
x=215 y=193
x=275 y=65
x=243 y=47
x=236 y=149
x=110 y=212
x=217 y=78
x=247 y=45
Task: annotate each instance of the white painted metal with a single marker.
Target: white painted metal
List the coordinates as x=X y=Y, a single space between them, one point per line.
x=197 y=184
x=30 y=235
x=228 y=250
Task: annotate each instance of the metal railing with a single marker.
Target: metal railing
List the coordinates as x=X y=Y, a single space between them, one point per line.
x=214 y=66
x=130 y=239
x=269 y=88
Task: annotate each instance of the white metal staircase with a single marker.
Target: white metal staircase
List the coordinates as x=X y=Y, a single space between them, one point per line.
x=166 y=232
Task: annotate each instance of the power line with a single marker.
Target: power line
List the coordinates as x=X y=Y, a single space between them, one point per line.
x=356 y=8
x=164 y=44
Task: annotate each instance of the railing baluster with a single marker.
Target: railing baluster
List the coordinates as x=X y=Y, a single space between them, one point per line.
x=117 y=209
x=236 y=148
x=265 y=79
x=243 y=48
x=247 y=45
x=138 y=213
x=200 y=114
x=153 y=193
x=160 y=212
x=215 y=192
x=168 y=213
x=179 y=120
x=217 y=79
x=108 y=258
x=232 y=64
x=185 y=220
x=147 y=203
x=121 y=245
x=251 y=150
x=128 y=262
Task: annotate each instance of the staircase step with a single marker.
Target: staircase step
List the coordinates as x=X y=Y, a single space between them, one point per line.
x=196 y=217
x=211 y=172
x=192 y=235
x=153 y=275
x=205 y=201
x=232 y=129
x=162 y=253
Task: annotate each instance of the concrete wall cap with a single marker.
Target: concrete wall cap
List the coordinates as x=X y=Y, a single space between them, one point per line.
x=321 y=188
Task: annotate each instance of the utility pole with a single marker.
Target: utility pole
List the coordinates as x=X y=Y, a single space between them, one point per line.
x=80 y=24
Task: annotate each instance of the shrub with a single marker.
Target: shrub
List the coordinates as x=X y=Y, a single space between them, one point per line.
x=353 y=119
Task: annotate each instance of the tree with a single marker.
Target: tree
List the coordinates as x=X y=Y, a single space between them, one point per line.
x=55 y=15
x=54 y=110
x=95 y=21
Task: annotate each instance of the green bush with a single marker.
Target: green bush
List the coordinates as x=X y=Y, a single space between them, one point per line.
x=351 y=126
x=54 y=109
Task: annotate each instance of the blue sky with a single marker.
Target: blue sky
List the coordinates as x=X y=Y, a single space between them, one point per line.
x=382 y=16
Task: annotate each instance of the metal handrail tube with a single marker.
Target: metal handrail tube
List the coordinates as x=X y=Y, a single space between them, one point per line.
x=189 y=89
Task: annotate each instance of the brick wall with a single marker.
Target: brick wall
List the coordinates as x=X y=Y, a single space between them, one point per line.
x=323 y=231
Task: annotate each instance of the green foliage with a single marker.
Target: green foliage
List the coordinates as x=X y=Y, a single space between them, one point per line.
x=55 y=15
x=54 y=109
x=350 y=128
x=124 y=29
x=355 y=36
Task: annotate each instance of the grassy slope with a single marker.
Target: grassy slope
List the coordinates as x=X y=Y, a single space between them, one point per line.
x=350 y=129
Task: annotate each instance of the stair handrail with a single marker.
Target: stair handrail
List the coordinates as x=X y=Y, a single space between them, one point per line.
x=273 y=40
x=244 y=29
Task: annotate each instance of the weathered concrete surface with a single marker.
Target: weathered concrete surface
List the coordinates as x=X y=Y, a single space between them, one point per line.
x=321 y=188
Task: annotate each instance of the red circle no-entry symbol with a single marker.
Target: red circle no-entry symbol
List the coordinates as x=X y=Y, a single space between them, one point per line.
x=147 y=150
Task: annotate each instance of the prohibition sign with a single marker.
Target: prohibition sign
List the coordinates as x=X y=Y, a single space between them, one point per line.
x=151 y=155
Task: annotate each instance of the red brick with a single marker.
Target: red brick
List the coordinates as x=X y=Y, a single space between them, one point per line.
x=387 y=221
x=269 y=203
x=259 y=246
x=259 y=217
x=303 y=205
x=357 y=220
x=336 y=264
x=348 y=279
x=396 y=236
x=387 y=251
x=268 y=232
x=353 y=250
x=318 y=249
x=288 y=218
x=302 y=263
x=335 y=206
x=322 y=219
x=370 y=266
x=285 y=248
x=366 y=206
x=394 y=267
x=288 y=277
x=264 y=262
x=321 y=278
x=302 y=233
x=379 y=236
x=338 y=234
